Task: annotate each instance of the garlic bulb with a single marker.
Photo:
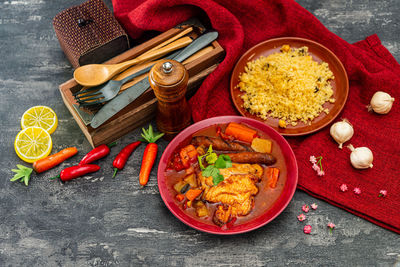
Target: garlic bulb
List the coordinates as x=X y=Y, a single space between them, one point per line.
x=342 y=131
x=361 y=157
x=381 y=102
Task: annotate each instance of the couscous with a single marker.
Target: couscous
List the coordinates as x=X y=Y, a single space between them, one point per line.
x=288 y=85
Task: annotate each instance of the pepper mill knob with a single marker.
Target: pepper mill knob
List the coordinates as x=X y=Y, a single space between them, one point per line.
x=167 y=67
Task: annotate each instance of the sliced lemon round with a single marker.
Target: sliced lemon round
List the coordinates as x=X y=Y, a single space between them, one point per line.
x=33 y=143
x=40 y=116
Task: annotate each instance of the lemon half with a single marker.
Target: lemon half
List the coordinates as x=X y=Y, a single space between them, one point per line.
x=40 y=116
x=33 y=143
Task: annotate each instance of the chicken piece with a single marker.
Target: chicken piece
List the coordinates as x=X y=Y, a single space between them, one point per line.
x=236 y=168
x=222 y=214
x=225 y=213
x=244 y=208
x=237 y=191
x=207 y=182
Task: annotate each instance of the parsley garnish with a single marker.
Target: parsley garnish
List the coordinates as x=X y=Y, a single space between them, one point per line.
x=215 y=163
x=223 y=162
x=217 y=179
x=211 y=170
x=23 y=174
x=210 y=156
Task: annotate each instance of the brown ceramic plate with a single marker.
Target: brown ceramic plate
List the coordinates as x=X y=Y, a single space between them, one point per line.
x=340 y=84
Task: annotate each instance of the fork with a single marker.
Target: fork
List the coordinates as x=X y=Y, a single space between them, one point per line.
x=107 y=91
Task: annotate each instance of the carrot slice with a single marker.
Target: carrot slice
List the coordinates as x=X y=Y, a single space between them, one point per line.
x=240 y=132
x=272 y=176
x=245 y=128
x=51 y=161
x=191 y=194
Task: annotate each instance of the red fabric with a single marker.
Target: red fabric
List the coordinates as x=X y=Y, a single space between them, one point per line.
x=370 y=67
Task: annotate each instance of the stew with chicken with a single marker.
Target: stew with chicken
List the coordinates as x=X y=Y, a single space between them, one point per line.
x=227 y=174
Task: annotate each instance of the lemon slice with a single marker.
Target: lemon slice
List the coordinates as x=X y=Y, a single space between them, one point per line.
x=40 y=116
x=33 y=143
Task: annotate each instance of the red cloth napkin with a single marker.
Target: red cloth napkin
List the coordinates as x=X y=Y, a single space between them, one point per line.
x=370 y=67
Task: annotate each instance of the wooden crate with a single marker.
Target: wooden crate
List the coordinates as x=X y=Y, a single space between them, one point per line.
x=143 y=109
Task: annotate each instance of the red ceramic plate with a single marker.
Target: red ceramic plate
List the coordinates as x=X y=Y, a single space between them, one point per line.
x=340 y=84
x=266 y=216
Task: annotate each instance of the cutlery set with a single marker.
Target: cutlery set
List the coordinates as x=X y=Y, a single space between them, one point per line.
x=105 y=84
x=111 y=99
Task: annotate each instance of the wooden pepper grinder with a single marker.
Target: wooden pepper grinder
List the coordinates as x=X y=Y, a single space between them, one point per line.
x=169 y=80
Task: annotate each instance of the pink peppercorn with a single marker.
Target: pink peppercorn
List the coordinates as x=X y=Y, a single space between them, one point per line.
x=307 y=229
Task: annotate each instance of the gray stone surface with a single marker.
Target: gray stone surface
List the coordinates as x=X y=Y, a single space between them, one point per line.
x=97 y=221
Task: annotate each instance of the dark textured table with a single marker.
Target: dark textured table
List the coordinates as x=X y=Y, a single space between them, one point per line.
x=98 y=221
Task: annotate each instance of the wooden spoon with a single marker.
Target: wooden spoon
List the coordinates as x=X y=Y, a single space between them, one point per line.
x=96 y=74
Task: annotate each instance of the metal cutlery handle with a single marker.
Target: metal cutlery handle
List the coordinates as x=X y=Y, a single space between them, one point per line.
x=196 y=45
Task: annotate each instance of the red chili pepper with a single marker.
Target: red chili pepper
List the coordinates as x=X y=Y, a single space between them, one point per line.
x=121 y=159
x=96 y=153
x=76 y=171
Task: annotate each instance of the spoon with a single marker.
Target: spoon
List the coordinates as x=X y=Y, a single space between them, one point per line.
x=96 y=74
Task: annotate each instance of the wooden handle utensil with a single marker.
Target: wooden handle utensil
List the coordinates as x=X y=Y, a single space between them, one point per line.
x=96 y=74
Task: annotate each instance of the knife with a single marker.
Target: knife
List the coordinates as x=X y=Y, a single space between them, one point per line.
x=87 y=117
x=133 y=92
